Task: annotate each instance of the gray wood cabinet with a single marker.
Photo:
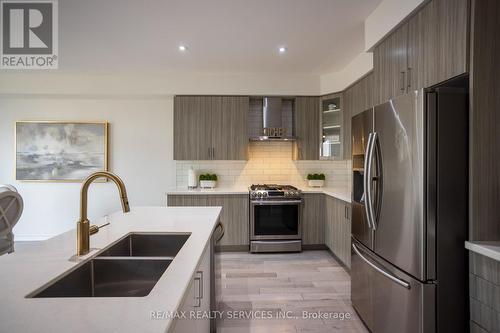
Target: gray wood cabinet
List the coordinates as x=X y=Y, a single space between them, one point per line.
x=192 y=132
x=234 y=215
x=430 y=47
x=313 y=219
x=437 y=43
x=229 y=127
x=307 y=120
x=197 y=298
x=210 y=127
x=421 y=41
x=349 y=99
x=363 y=94
x=357 y=98
x=485 y=121
x=390 y=64
x=452 y=44
x=338 y=229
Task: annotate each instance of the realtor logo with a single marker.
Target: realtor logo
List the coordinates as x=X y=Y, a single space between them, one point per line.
x=29 y=34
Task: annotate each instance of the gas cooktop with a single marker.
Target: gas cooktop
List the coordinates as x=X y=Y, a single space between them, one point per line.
x=274 y=191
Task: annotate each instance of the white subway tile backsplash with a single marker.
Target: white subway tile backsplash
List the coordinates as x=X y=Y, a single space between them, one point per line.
x=268 y=162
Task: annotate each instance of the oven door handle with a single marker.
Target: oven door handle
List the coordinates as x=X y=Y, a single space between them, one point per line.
x=275 y=202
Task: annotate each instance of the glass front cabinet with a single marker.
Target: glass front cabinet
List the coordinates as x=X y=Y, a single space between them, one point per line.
x=332 y=131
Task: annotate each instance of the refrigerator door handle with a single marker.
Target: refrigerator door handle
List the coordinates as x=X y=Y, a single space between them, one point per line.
x=378 y=179
x=380 y=270
x=366 y=183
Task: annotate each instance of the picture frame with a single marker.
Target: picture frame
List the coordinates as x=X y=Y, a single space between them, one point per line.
x=60 y=151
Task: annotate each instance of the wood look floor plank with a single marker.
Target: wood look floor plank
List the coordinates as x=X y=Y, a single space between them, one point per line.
x=251 y=275
x=294 y=284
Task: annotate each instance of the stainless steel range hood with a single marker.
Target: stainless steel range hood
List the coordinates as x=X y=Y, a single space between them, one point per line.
x=273 y=128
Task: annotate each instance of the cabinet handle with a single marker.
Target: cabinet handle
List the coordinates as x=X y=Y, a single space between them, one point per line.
x=222 y=232
x=209 y=153
x=201 y=284
x=213 y=153
x=346 y=212
x=408 y=78
x=200 y=288
x=402 y=81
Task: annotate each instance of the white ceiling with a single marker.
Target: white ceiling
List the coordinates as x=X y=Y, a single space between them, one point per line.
x=223 y=36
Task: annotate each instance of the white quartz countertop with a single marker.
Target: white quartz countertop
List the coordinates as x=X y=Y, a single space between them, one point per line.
x=36 y=265
x=204 y=191
x=490 y=249
x=341 y=193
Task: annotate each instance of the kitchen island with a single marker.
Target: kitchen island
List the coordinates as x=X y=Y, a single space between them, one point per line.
x=39 y=264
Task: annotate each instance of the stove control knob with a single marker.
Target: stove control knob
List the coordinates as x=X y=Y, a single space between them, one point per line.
x=264 y=194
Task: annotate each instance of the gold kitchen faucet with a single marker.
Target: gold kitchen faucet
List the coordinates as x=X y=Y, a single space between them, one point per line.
x=83 y=227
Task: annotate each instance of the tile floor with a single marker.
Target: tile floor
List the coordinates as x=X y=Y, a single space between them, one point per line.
x=280 y=287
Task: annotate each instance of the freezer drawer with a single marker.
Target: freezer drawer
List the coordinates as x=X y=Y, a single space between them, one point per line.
x=387 y=299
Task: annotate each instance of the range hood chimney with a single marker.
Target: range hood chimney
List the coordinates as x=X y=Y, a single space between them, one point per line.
x=272 y=121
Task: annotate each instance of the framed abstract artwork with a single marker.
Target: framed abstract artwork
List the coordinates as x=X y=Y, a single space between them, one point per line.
x=59 y=150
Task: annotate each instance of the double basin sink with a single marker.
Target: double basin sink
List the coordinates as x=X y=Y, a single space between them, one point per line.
x=128 y=268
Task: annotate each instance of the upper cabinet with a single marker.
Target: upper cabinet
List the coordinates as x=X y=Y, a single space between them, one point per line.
x=363 y=92
x=437 y=42
x=210 y=127
x=307 y=119
x=390 y=65
x=332 y=121
x=192 y=135
x=452 y=45
x=357 y=98
x=349 y=99
x=429 y=48
x=229 y=128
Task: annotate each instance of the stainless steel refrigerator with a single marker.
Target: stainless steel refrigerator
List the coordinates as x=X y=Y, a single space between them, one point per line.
x=409 y=213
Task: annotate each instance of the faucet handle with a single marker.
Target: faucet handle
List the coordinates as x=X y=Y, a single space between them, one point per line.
x=93 y=229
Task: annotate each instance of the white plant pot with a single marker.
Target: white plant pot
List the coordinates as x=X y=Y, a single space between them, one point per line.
x=208 y=183
x=316 y=183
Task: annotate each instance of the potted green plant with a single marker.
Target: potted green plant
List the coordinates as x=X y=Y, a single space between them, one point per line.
x=208 y=180
x=316 y=179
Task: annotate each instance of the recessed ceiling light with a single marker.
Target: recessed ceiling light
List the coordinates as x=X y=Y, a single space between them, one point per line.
x=282 y=49
x=182 y=48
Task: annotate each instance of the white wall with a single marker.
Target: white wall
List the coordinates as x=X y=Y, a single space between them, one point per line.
x=338 y=81
x=385 y=18
x=140 y=151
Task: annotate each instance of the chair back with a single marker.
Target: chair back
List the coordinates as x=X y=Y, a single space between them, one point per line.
x=11 y=208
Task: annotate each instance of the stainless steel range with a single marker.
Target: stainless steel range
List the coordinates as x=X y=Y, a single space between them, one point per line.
x=275 y=221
